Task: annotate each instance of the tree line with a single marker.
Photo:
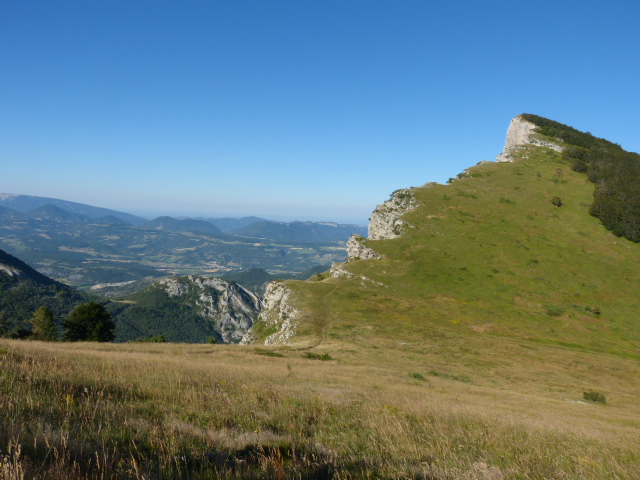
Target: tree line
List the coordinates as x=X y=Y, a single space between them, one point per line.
x=614 y=171
x=87 y=322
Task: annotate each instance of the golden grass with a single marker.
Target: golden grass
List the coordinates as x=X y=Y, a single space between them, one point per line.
x=208 y=411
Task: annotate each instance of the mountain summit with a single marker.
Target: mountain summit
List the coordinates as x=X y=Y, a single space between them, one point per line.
x=508 y=250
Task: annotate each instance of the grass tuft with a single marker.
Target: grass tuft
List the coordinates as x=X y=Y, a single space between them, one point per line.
x=594 y=396
x=318 y=356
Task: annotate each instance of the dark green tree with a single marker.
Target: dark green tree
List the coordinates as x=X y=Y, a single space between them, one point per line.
x=44 y=326
x=89 y=322
x=5 y=325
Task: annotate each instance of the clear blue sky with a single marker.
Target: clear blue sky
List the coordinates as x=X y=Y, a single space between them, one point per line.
x=294 y=109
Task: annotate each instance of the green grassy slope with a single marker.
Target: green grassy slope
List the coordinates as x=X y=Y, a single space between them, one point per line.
x=490 y=256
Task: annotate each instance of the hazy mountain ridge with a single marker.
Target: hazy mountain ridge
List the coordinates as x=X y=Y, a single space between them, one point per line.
x=227 y=224
x=183 y=225
x=27 y=203
x=84 y=251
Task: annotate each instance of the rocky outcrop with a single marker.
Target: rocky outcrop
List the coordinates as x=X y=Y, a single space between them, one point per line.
x=385 y=222
x=231 y=307
x=357 y=250
x=520 y=133
x=338 y=271
x=279 y=313
x=12 y=272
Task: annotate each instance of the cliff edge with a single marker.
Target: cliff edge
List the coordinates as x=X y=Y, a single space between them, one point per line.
x=520 y=133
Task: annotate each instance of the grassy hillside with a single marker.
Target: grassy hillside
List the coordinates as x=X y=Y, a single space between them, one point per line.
x=491 y=256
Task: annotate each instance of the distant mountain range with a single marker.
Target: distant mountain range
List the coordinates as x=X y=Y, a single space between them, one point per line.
x=228 y=225
x=14 y=206
x=185 y=225
x=28 y=203
x=95 y=247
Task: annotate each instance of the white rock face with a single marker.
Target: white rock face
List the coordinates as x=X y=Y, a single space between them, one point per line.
x=231 y=307
x=385 y=220
x=107 y=285
x=12 y=272
x=277 y=311
x=521 y=132
x=337 y=271
x=356 y=250
x=385 y=223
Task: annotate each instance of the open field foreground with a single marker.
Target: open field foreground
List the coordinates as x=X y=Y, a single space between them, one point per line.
x=441 y=408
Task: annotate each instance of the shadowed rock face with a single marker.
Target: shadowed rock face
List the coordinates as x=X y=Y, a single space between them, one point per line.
x=17 y=269
x=279 y=313
x=231 y=307
x=522 y=132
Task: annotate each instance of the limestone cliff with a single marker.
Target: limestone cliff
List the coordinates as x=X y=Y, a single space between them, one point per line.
x=231 y=307
x=357 y=250
x=385 y=222
x=277 y=313
x=520 y=133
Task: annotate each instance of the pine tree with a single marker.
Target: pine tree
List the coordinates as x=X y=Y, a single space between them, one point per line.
x=5 y=324
x=44 y=326
x=89 y=322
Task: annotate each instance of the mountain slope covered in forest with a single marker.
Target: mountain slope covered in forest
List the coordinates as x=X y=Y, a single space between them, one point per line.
x=23 y=290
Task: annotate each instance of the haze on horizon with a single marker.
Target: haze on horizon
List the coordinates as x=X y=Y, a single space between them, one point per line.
x=293 y=110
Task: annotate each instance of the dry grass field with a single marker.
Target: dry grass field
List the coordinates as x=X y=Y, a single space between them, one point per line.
x=430 y=410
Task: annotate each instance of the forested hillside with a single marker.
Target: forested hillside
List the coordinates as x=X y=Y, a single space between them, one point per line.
x=23 y=290
x=614 y=171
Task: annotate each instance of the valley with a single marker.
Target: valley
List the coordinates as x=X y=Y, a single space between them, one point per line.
x=86 y=252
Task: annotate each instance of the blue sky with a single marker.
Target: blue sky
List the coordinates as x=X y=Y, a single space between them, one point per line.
x=294 y=109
